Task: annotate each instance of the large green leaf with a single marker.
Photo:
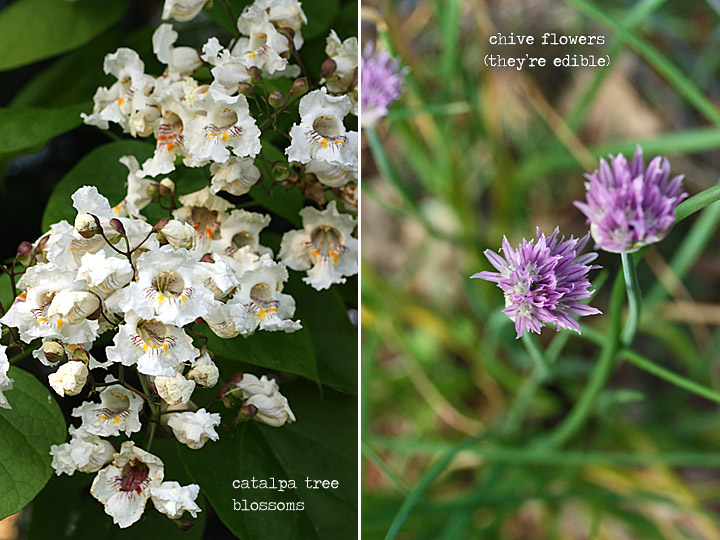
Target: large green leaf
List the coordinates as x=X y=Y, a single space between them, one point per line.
x=334 y=336
x=32 y=30
x=66 y=510
x=102 y=169
x=291 y=353
x=24 y=127
x=321 y=445
x=320 y=14
x=27 y=431
x=274 y=197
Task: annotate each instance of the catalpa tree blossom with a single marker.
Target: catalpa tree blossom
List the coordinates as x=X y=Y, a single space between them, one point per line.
x=124 y=301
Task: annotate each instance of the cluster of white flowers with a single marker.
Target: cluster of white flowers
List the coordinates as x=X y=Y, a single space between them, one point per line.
x=149 y=285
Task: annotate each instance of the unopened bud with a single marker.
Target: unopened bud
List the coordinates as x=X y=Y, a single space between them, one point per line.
x=95 y=315
x=316 y=192
x=80 y=355
x=246 y=89
x=299 y=87
x=166 y=188
x=24 y=248
x=328 y=67
x=178 y=234
x=280 y=171
x=73 y=307
x=160 y=224
x=185 y=524
x=277 y=99
x=86 y=225
x=207 y=258
x=54 y=351
x=117 y=225
x=286 y=54
x=255 y=73
x=248 y=411
x=69 y=379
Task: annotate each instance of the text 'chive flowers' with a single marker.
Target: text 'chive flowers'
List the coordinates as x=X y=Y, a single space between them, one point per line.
x=543 y=281
x=381 y=82
x=629 y=206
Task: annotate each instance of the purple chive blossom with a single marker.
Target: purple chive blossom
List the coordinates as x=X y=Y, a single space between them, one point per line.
x=543 y=281
x=381 y=83
x=629 y=207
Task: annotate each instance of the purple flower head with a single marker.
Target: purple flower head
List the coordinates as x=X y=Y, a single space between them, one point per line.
x=543 y=281
x=628 y=206
x=381 y=83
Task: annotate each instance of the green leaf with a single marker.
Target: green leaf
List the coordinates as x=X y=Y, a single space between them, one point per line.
x=33 y=30
x=346 y=24
x=335 y=338
x=27 y=431
x=291 y=353
x=82 y=517
x=321 y=445
x=320 y=14
x=24 y=127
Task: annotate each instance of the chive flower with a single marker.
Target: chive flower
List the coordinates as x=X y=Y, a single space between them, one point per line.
x=629 y=206
x=381 y=83
x=543 y=281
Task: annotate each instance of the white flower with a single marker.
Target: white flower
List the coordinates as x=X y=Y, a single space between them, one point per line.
x=194 y=429
x=241 y=231
x=126 y=96
x=260 y=293
x=69 y=379
x=218 y=277
x=345 y=56
x=285 y=14
x=264 y=45
x=179 y=235
x=272 y=407
x=168 y=288
x=140 y=193
x=324 y=246
x=230 y=320
x=104 y=274
x=170 y=137
x=6 y=383
x=84 y=452
x=228 y=71
x=321 y=134
x=183 y=10
x=172 y=499
x=180 y=61
x=204 y=211
x=174 y=390
x=224 y=124
x=117 y=412
x=236 y=176
x=204 y=372
x=331 y=175
x=124 y=486
x=156 y=348
x=54 y=350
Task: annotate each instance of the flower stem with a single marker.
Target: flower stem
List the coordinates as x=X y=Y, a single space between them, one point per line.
x=574 y=421
x=634 y=298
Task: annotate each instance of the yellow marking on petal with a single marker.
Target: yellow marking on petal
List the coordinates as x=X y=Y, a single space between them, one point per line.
x=212 y=134
x=252 y=54
x=59 y=323
x=116 y=420
x=164 y=346
x=270 y=310
x=315 y=253
x=42 y=320
x=161 y=299
x=145 y=347
x=183 y=298
x=334 y=255
x=171 y=147
x=102 y=418
x=339 y=142
x=261 y=315
x=324 y=143
x=121 y=101
x=225 y=137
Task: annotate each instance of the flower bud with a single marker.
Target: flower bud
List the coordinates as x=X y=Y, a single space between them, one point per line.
x=246 y=89
x=86 y=225
x=205 y=375
x=174 y=390
x=255 y=73
x=276 y=99
x=315 y=191
x=185 y=524
x=24 y=248
x=72 y=307
x=117 y=225
x=166 y=188
x=54 y=351
x=179 y=235
x=207 y=258
x=69 y=379
x=248 y=411
x=160 y=224
x=280 y=171
x=299 y=87
x=328 y=67
x=80 y=355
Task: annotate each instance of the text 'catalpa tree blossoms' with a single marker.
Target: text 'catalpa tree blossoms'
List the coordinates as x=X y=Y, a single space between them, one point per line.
x=126 y=302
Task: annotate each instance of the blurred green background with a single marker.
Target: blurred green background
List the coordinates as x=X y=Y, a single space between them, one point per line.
x=453 y=411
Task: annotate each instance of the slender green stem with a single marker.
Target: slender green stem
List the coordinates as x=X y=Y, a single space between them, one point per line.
x=634 y=298
x=397 y=482
x=574 y=421
x=154 y=411
x=537 y=356
x=669 y=376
